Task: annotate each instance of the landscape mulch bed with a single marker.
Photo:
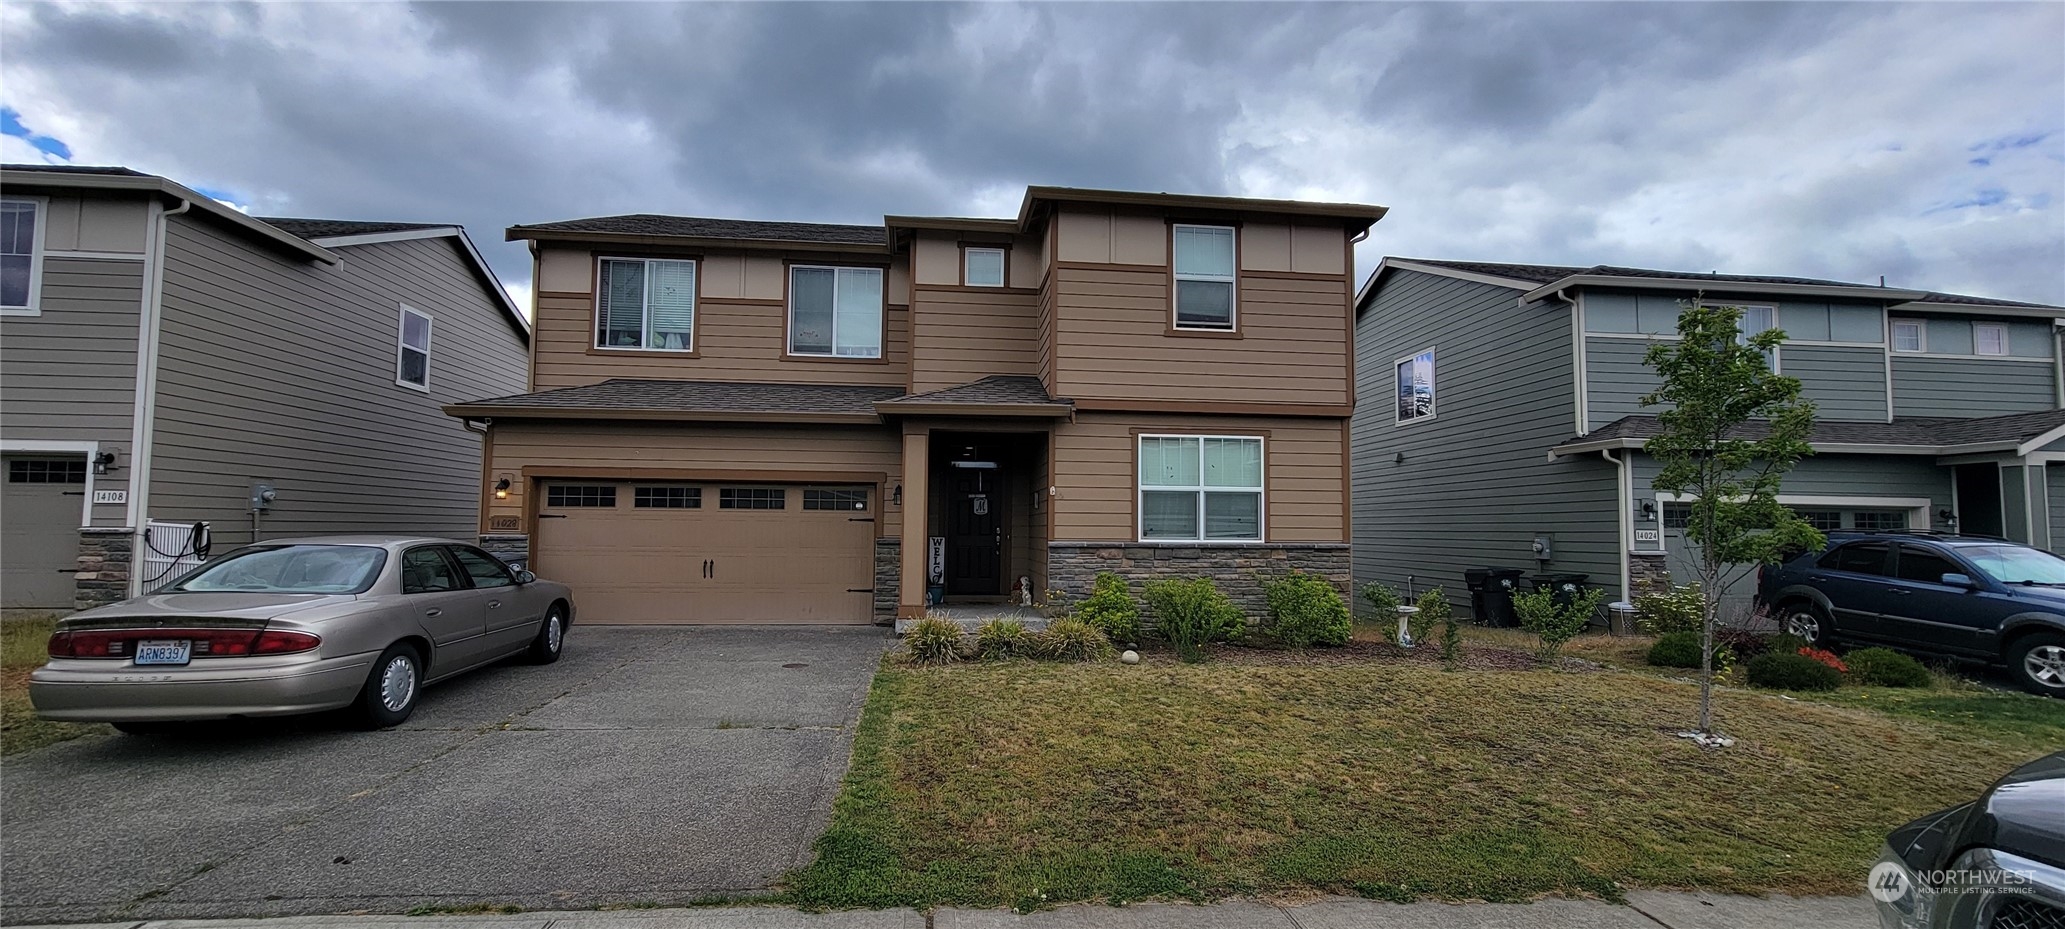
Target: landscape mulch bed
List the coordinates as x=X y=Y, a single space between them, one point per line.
x=1474 y=658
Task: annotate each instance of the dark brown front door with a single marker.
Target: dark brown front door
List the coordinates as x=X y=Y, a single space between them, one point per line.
x=974 y=534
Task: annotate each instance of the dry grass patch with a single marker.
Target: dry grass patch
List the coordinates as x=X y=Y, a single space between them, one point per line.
x=22 y=643
x=1032 y=784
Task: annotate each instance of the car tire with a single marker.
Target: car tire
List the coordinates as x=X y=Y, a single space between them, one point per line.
x=551 y=638
x=391 y=689
x=2037 y=662
x=1810 y=622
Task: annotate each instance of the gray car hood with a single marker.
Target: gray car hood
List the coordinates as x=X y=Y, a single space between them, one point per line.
x=213 y=605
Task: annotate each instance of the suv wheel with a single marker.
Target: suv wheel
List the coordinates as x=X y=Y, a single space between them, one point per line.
x=2037 y=662
x=1806 y=621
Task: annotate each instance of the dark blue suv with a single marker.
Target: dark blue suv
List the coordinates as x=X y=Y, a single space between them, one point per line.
x=1965 y=597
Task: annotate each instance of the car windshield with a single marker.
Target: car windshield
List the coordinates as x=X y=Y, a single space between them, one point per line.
x=309 y=569
x=2014 y=564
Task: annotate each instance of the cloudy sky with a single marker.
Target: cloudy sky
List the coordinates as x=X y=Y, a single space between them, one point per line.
x=1922 y=142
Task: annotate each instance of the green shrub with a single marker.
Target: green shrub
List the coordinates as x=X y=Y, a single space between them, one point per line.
x=1785 y=643
x=1111 y=609
x=1071 y=640
x=1678 y=649
x=1434 y=610
x=1553 y=622
x=1383 y=602
x=1781 y=671
x=1681 y=609
x=1002 y=638
x=1305 y=609
x=1191 y=612
x=933 y=640
x=1884 y=667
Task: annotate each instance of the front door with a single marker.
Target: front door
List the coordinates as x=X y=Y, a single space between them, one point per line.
x=974 y=532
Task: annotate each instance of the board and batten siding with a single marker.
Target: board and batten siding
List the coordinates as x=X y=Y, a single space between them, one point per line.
x=1475 y=485
x=1845 y=382
x=961 y=335
x=1970 y=386
x=627 y=450
x=277 y=370
x=1095 y=470
x=69 y=374
x=1112 y=341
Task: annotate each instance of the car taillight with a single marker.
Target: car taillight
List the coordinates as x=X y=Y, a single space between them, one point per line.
x=207 y=643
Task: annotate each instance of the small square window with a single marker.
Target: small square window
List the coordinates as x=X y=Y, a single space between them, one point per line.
x=581 y=495
x=752 y=498
x=667 y=498
x=1676 y=516
x=835 y=499
x=982 y=267
x=1989 y=339
x=1908 y=336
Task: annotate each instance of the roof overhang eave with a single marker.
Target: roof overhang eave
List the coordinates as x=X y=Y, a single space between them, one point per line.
x=492 y=411
x=151 y=184
x=987 y=410
x=1356 y=217
x=1888 y=294
x=1586 y=447
x=521 y=233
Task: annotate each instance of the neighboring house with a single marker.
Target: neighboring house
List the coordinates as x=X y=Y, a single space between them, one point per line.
x=1500 y=407
x=162 y=356
x=736 y=421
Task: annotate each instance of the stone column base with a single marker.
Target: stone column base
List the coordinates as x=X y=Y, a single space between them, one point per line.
x=507 y=544
x=1648 y=574
x=888 y=578
x=106 y=559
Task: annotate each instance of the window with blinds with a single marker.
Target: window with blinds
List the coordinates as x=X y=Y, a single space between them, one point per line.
x=644 y=303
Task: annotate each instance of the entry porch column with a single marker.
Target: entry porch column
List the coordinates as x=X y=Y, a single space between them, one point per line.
x=917 y=521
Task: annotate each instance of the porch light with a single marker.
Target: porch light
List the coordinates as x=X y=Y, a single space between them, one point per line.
x=102 y=461
x=1946 y=517
x=502 y=489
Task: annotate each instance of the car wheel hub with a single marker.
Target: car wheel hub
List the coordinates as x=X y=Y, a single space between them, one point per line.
x=398 y=684
x=552 y=632
x=2045 y=664
x=1804 y=624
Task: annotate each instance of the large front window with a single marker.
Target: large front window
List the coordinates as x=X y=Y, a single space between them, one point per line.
x=1200 y=488
x=1204 y=277
x=646 y=304
x=835 y=312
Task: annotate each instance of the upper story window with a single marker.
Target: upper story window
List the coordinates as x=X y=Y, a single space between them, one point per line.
x=1200 y=488
x=412 y=350
x=1204 y=266
x=982 y=267
x=1755 y=320
x=1989 y=339
x=21 y=255
x=1909 y=335
x=835 y=312
x=643 y=303
x=1416 y=387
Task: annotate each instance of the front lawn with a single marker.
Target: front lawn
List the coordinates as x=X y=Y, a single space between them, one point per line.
x=1029 y=784
x=22 y=642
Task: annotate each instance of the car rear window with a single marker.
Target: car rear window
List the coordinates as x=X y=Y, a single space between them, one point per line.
x=309 y=569
x=1860 y=558
x=1920 y=564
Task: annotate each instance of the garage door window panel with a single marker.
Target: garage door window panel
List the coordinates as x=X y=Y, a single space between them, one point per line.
x=667 y=498
x=581 y=495
x=848 y=500
x=752 y=498
x=46 y=471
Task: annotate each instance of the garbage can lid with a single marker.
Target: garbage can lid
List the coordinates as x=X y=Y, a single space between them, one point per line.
x=1621 y=606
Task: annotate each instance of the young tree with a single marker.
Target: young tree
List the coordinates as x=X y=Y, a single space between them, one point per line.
x=1732 y=428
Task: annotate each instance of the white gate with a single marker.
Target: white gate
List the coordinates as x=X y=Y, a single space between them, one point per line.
x=170 y=550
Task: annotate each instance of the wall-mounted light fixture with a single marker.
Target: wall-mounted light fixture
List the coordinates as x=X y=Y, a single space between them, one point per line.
x=502 y=489
x=102 y=462
x=1647 y=510
x=896 y=495
x=1946 y=517
x=1400 y=459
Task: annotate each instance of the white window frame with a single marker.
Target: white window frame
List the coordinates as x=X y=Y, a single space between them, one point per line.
x=1433 y=387
x=36 y=255
x=1742 y=335
x=401 y=330
x=1003 y=265
x=1261 y=491
x=1921 y=336
x=695 y=305
x=882 y=316
x=1979 y=345
x=1177 y=277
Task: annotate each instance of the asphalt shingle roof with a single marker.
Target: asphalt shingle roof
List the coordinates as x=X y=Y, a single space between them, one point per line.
x=631 y=394
x=1548 y=274
x=705 y=228
x=324 y=228
x=109 y=170
x=995 y=389
x=1919 y=431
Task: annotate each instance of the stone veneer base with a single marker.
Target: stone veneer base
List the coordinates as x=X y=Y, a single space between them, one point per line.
x=106 y=557
x=1238 y=570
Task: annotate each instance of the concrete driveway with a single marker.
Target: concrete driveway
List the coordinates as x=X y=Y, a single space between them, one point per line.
x=649 y=766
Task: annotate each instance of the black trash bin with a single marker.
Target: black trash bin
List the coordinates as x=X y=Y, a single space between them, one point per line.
x=1565 y=588
x=1491 y=595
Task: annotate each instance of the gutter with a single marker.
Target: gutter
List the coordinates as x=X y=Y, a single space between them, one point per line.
x=143 y=418
x=478 y=411
x=1722 y=286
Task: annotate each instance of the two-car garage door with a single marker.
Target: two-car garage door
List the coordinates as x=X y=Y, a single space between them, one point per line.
x=658 y=552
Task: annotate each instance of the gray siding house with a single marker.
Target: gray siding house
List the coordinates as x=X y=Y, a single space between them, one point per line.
x=1499 y=421
x=163 y=356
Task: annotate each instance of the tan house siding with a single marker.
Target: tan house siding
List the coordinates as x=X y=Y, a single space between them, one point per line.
x=1113 y=342
x=525 y=451
x=965 y=334
x=1094 y=467
x=1043 y=333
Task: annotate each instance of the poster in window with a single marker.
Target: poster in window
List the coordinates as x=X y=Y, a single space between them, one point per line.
x=1416 y=386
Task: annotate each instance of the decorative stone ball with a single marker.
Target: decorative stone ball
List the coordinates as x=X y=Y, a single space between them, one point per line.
x=1129 y=656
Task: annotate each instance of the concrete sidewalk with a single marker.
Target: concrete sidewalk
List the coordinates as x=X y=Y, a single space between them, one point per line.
x=1645 y=910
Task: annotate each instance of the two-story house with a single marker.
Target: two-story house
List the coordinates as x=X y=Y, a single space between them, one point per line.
x=739 y=421
x=166 y=360
x=1501 y=422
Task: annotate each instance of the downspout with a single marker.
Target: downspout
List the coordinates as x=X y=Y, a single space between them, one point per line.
x=2058 y=363
x=143 y=419
x=1624 y=487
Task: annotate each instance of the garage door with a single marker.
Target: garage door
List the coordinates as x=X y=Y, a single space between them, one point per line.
x=1738 y=601
x=710 y=553
x=39 y=531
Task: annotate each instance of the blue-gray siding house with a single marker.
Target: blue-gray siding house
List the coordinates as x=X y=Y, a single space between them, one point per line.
x=1499 y=420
